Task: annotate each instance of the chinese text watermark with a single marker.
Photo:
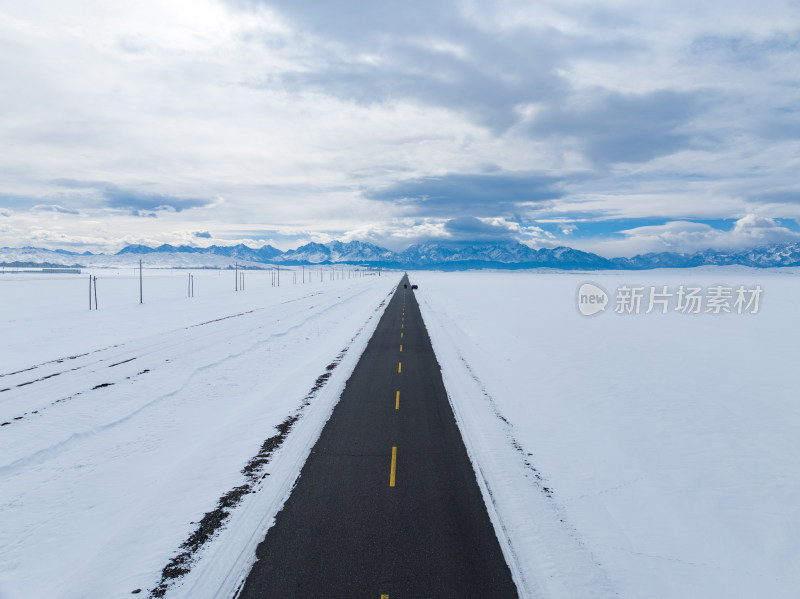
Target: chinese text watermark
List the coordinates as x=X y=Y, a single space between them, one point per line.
x=663 y=299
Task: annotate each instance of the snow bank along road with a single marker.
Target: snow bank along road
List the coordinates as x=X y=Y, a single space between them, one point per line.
x=629 y=456
x=125 y=429
x=387 y=505
x=619 y=456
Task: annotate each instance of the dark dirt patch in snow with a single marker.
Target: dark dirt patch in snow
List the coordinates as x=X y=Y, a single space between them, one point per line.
x=181 y=564
x=221 y=319
x=60 y=361
x=70 y=397
x=538 y=480
x=253 y=472
x=123 y=362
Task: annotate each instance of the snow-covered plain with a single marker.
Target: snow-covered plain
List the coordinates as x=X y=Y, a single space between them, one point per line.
x=628 y=455
x=127 y=424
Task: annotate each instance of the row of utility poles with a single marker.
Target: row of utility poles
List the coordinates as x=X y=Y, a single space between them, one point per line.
x=239 y=284
x=276 y=276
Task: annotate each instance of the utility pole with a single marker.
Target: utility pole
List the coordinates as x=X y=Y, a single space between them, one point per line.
x=140 y=282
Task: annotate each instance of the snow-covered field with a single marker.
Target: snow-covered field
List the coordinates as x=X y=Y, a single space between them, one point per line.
x=127 y=424
x=637 y=455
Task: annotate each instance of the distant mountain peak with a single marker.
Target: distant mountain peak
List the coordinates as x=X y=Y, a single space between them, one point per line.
x=135 y=249
x=445 y=255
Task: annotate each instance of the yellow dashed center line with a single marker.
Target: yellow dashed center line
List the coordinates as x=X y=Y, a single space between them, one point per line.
x=397 y=401
x=401 y=335
x=399 y=367
x=384 y=596
x=394 y=466
x=401 y=347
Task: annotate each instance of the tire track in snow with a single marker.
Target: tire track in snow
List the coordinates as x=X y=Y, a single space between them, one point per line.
x=153 y=348
x=45 y=453
x=103 y=349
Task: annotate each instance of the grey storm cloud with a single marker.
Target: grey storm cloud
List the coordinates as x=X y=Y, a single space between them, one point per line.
x=614 y=127
x=140 y=203
x=54 y=208
x=744 y=50
x=485 y=74
x=492 y=74
x=777 y=196
x=473 y=194
x=779 y=125
x=302 y=113
x=137 y=200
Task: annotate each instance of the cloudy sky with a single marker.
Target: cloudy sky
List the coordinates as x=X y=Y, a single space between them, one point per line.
x=617 y=127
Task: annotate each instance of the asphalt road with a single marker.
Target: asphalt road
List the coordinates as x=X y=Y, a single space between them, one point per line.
x=387 y=505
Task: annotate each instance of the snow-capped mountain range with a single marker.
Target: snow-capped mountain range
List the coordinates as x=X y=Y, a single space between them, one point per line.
x=446 y=256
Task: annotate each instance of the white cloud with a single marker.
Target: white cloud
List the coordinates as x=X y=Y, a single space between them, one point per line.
x=749 y=231
x=295 y=125
x=567 y=229
x=61 y=239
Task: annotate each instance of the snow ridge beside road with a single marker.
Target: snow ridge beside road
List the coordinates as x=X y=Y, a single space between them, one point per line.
x=125 y=454
x=666 y=443
x=546 y=557
x=223 y=566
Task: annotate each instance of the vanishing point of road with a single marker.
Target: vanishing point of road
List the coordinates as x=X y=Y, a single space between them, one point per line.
x=387 y=505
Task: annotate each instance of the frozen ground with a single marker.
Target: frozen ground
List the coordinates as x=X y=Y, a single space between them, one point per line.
x=126 y=425
x=629 y=455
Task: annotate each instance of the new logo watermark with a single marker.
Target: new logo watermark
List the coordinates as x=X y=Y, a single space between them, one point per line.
x=592 y=299
x=663 y=299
